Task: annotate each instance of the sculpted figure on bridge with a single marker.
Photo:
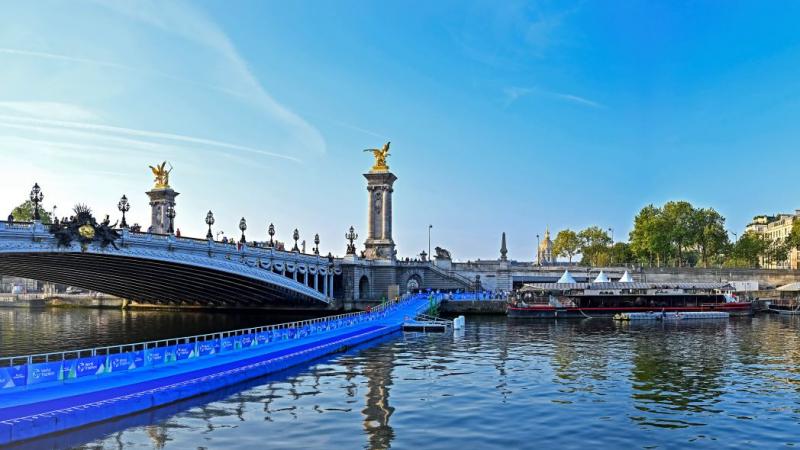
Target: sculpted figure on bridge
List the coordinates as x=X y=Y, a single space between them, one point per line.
x=84 y=228
x=442 y=253
x=380 y=157
x=161 y=175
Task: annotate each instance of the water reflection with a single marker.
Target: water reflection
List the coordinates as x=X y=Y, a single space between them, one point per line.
x=503 y=384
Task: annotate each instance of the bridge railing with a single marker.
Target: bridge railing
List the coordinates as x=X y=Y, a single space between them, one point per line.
x=63 y=366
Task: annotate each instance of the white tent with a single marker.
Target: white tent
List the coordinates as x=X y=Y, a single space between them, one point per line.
x=626 y=278
x=566 y=278
x=601 y=278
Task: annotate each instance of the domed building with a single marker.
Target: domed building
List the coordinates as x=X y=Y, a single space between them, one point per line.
x=545 y=254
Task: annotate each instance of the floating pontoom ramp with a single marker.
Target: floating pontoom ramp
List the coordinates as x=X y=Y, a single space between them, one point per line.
x=47 y=393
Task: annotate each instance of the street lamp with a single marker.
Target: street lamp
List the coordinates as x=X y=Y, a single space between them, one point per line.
x=36 y=198
x=538 y=252
x=271 y=232
x=220 y=233
x=171 y=215
x=612 y=244
x=209 y=222
x=296 y=237
x=123 y=206
x=53 y=214
x=316 y=244
x=351 y=236
x=242 y=227
x=429 y=238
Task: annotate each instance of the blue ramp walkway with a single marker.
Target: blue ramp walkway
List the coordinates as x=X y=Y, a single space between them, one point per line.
x=38 y=398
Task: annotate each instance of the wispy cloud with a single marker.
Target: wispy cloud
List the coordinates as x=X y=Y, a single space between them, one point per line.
x=112 y=132
x=189 y=23
x=514 y=93
x=49 y=110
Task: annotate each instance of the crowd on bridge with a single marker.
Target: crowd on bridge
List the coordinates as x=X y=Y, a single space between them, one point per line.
x=462 y=295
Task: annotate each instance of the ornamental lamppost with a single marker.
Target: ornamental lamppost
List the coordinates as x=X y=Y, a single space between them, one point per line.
x=351 y=236
x=171 y=216
x=271 y=232
x=209 y=222
x=242 y=226
x=296 y=237
x=123 y=206
x=36 y=198
x=316 y=244
x=538 y=252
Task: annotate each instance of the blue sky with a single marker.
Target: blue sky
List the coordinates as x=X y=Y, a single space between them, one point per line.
x=503 y=116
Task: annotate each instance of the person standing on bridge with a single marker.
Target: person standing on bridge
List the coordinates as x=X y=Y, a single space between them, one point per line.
x=178 y=232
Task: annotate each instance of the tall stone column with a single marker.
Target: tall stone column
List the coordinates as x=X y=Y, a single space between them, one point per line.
x=160 y=201
x=379 y=243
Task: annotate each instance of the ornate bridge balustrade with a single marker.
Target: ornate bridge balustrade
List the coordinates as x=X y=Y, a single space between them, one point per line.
x=165 y=269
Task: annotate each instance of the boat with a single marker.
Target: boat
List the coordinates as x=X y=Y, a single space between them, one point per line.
x=605 y=299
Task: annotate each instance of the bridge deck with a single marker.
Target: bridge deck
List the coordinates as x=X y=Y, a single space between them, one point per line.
x=33 y=412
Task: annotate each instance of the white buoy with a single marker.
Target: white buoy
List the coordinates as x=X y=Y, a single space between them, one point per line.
x=459 y=322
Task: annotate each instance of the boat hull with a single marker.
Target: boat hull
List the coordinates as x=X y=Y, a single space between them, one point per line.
x=552 y=312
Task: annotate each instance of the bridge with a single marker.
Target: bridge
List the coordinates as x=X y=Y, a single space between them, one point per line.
x=163 y=269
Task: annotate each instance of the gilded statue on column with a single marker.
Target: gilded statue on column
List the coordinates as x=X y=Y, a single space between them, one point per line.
x=161 y=175
x=380 y=158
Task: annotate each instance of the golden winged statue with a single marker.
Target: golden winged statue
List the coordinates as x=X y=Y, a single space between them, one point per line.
x=161 y=175
x=380 y=158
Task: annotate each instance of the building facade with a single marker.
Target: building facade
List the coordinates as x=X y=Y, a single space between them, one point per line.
x=544 y=255
x=776 y=228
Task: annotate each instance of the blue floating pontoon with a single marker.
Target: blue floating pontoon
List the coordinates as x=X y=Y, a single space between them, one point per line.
x=42 y=394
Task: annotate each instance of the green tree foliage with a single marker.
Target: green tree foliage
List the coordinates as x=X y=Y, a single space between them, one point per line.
x=566 y=244
x=678 y=234
x=24 y=213
x=710 y=236
x=749 y=248
x=622 y=253
x=594 y=246
x=793 y=240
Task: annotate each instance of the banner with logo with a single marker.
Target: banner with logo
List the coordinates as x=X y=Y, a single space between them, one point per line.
x=206 y=348
x=44 y=372
x=226 y=344
x=184 y=351
x=14 y=376
x=82 y=367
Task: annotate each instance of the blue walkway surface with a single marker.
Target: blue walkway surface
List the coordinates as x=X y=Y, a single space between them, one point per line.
x=35 y=411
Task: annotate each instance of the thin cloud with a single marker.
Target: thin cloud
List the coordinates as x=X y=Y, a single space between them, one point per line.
x=50 y=110
x=514 y=93
x=189 y=23
x=577 y=99
x=112 y=132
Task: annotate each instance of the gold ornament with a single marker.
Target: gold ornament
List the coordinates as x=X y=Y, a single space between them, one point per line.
x=380 y=158
x=86 y=231
x=161 y=175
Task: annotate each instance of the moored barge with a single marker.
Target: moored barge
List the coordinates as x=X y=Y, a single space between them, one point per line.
x=605 y=299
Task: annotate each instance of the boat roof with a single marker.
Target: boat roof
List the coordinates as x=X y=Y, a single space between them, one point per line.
x=791 y=287
x=620 y=285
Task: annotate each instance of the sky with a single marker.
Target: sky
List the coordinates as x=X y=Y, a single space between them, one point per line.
x=503 y=116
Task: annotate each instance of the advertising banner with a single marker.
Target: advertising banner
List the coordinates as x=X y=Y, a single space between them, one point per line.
x=208 y=347
x=226 y=344
x=120 y=362
x=248 y=341
x=82 y=367
x=184 y=351
x=44 y=372
x=262 y=338
x=14 y=376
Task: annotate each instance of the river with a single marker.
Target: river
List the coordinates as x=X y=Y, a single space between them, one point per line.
x=498 y=384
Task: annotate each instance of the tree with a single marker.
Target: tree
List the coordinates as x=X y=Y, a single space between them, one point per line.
x=793 y=240
x=566 y=244
x=594 y=245
x=679 y=218
x=621 y=253
x=709 y=233
x=24 y=213
x=749 y=248
x=650 y=237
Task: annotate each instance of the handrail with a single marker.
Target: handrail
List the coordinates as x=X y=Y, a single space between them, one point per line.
x=144 y=345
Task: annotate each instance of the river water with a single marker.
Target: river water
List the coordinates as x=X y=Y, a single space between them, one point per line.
x=499 y=384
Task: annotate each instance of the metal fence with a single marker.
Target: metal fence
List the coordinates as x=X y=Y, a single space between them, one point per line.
x=311 y=325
